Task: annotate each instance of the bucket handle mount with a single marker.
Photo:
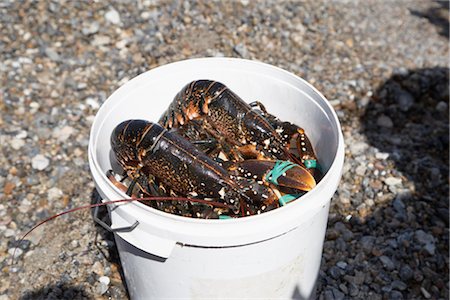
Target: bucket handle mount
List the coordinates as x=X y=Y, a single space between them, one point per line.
x=109 y=228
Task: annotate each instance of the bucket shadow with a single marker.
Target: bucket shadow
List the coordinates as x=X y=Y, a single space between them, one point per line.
x=56 y=291
x=436 y=15
x=111 y=254
x=408 y=119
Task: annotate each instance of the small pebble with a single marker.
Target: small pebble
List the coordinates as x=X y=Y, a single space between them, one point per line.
x=97 y=268
x=395 y=295
x=54 y=194
x=405 y=101
x=104 y=280
x=241 y=50
x=9 y=233
x=387 y=262
x=367 y=243
x=406 y=273
x=40 y=162
x=425 y=293
x=358 y=148
x=16 y=143
x=18 y=252
x=427 y=240
x=92 y=28
x=101 y=40
x=52 y=54
x=74 y=244
x=113 y=16
x=385 y=121
x=62 y=134
x=393 y=181
x=9 y=188
x=92 y=102
x=361 y=170
x=442 y=106
x=399 y=285
x=398 y=204
x=101 y=288
x=341 y=264
x=381 y=155
x=36 y=235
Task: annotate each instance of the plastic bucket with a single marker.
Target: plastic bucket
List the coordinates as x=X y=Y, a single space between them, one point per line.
x=273 y=255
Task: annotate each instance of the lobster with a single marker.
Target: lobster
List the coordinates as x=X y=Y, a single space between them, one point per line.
x=211 y=107
x=161 y=162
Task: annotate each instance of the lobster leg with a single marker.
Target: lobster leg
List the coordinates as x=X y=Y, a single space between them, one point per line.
x=260 y=106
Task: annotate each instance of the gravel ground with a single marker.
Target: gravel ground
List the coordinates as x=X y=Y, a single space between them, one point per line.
x=382 y=65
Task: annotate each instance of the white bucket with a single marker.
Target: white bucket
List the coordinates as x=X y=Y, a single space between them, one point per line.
x=273 y=255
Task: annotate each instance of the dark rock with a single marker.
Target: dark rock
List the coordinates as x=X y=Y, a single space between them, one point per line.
x=387 y=263
x=395 y=295
x=406 y=273
x=367 y=243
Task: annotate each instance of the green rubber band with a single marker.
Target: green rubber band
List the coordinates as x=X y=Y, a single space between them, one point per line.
x=287 y=198
x=224 y=217
x=310 y=163
x=278 y=170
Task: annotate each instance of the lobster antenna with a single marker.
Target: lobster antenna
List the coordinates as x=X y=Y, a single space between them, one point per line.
x=131 y=199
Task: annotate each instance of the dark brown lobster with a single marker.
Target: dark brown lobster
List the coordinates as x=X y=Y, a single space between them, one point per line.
x=209 y=106
x=156 y=159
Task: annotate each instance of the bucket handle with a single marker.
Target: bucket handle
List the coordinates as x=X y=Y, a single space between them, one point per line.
x=107 y=227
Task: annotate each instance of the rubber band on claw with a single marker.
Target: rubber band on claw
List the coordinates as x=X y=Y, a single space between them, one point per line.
x=278 y=170
x=310 y=163
x=287 y=198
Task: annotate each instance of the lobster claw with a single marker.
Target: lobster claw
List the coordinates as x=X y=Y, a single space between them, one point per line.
x=280 y=173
